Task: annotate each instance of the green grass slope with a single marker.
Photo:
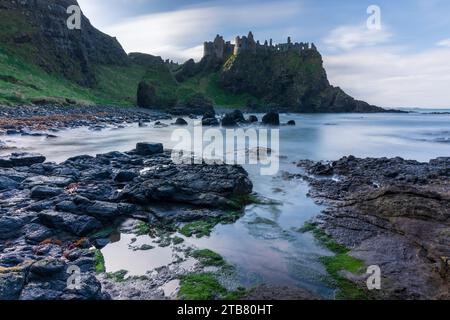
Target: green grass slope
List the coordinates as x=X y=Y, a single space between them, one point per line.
x=22 y=82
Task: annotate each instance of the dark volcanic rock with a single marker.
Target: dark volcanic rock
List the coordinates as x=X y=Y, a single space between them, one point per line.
x=210 y=122
x=272 y=118
x=181 y=122
x=21 y=160
x=202 y=185
x=47 y=267
x=41 y=225
x=11 y=284
x=291 y=123
x=75 y=224
x=148 y=149
x=252 y=119
x=36 y=233
x=228 y=120
x=9 y=226
x=44 y=192
x=7 y=183
x=125 y=176
x=393 y=213
x=233 y=118
x=146 y=95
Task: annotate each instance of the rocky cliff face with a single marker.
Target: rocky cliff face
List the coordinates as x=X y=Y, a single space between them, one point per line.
x=295 y=81
x=37 y=30
x=285 y=77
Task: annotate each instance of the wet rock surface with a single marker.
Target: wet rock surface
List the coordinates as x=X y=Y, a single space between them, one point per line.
x=52 y=216
x=271 y=118
x=46 y=121
x=393 y=213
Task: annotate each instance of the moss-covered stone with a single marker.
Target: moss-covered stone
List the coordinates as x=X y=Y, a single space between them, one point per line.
x=118 y=276
x=99 y=261
x=200 y=286
x=198 y=228
x=205 y=286
x=209 y=258
x=142 y=229
x=341 y=261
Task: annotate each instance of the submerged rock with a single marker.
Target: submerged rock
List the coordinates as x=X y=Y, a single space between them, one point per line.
x=209 y=119
x=181 y=122
x=210 y=122
x=233 y=118
x=252 y=119
x=271 y=118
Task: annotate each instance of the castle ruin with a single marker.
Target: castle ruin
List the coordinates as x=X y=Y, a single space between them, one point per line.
x=218 y=48
x=222 y=50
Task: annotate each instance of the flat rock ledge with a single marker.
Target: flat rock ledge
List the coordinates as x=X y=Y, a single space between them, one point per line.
x=393 y=213
x=50 y=213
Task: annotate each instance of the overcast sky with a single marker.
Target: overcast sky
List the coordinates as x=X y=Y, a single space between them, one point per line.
x=404 y=64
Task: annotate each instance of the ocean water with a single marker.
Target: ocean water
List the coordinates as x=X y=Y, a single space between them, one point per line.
x=265 y=245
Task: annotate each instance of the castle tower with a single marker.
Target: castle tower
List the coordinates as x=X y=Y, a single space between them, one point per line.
x=207 y=49
x=251 y=44
x=250 y=36
x=219 y=47
x=237 y=46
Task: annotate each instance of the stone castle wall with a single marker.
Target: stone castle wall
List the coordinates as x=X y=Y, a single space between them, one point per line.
x=222 y=50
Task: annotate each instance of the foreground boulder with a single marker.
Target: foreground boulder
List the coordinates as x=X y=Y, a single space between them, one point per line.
x=44 y=192
x=75 y=224
x=21 y=160
x=202 y=185
x=9 y=227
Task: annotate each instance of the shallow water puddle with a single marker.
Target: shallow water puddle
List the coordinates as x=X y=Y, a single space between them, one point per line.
x=138 y=255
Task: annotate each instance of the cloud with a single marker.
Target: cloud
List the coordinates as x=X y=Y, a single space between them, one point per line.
x=172 y=34
x=393 y=76
x=444 y=43
x=350 y=37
